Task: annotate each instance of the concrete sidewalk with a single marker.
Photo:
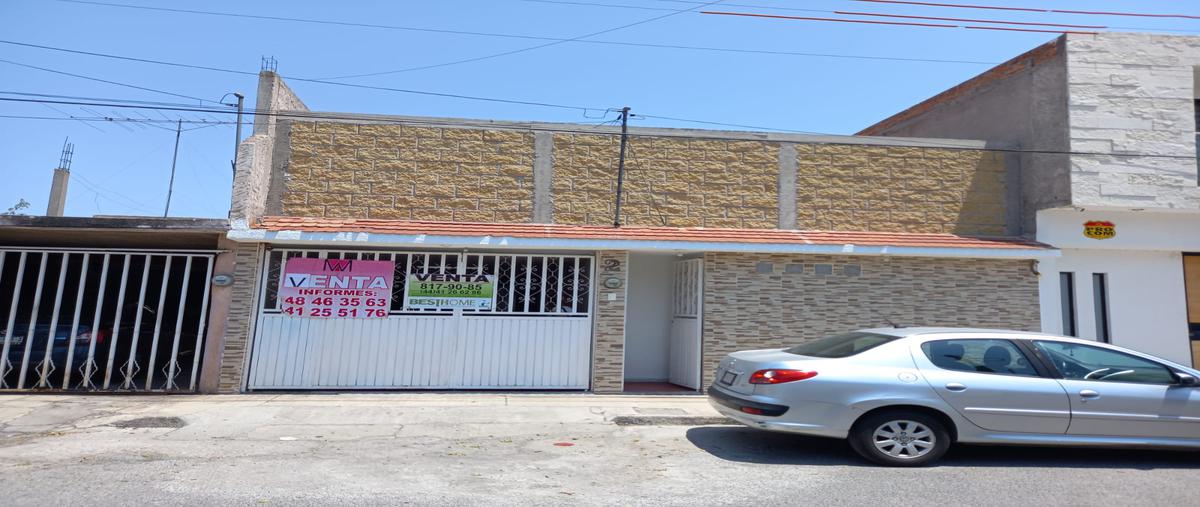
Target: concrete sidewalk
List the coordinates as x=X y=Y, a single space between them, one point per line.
x=505 y=449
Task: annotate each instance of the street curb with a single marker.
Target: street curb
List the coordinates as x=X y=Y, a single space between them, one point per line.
x=658 y=420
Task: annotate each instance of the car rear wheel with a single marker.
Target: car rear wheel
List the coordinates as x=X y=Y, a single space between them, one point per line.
x=900 y=438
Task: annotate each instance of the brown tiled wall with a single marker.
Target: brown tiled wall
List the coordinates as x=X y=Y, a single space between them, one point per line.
x=346 y=170
x=668 y=181
x=744 y=309
x=248 y=258
x=608 y=344
x=900 y=189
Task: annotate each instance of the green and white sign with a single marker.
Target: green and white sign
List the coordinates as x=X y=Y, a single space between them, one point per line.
x=448 y=291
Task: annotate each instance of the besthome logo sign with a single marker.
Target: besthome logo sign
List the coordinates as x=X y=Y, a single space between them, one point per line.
x=443 y=291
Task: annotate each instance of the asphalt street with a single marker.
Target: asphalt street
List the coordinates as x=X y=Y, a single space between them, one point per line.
x=438 y=449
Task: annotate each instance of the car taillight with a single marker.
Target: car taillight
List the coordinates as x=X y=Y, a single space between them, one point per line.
x=780 y=376
x=88 y=336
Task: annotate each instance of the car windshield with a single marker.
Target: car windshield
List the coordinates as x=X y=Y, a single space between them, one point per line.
x=842 y=345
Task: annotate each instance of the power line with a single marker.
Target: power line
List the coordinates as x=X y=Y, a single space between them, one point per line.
x=533 y=37
x=530 y=48
x=90 y=78
x=105 y=99
x=777 y=8
x=893 y=23
x=907 y=143
x=1031 y=9
x=318 y=81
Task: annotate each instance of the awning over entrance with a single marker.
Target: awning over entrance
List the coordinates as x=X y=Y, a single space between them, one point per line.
x=362 y=232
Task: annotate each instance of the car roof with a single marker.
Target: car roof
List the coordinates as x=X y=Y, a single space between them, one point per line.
x=905 y=332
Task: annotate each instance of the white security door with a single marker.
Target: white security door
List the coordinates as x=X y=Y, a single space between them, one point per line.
x=686 y=323
x=537 y=336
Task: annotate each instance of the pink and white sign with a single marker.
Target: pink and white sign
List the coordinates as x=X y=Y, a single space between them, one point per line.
x=336 y=288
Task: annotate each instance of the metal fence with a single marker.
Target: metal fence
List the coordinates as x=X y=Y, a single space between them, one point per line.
x=526 y=284
x=117 y=320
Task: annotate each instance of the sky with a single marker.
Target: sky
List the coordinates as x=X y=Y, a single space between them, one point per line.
x=123 y=168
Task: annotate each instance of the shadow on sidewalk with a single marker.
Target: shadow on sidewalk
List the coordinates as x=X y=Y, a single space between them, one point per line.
x=746 y=445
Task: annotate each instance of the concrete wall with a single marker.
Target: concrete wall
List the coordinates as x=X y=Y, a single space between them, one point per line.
x=648 y=322
x=1133 y=93
x=347 y=170
x=714 y=179
x=1022 y=102
x=1117 y=93
x=746 y=309
x=253 y=175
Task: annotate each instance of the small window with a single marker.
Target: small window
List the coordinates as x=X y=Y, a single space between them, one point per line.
x=1066 y=293
x=1100 y=300
x=979 y=356
x=842 y=345
x=1085 y=362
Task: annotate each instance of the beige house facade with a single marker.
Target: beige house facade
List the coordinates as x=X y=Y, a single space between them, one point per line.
x=726 y=241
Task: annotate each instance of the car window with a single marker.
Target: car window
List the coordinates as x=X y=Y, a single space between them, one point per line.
x=842 y=345
x=979 y=356
x=1086 y=362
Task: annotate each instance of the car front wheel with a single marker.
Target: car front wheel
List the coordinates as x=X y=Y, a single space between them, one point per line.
x=900 y=438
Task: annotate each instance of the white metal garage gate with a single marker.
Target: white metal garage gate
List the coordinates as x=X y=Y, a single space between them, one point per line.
x=114 y=320
x=537 y=336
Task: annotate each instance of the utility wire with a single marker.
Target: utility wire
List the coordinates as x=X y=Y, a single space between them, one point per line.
x=831 y=139
x=318 y=81
x=795 y=9
x=533 y=37
x=530 y=48
x=1030 y=9
x=90 y=78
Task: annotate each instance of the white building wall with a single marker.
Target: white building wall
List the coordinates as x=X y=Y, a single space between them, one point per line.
x=1144 y=264
x=648 y=316
x=1133 y=93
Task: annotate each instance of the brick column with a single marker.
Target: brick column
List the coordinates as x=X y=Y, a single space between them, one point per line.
x=242 y=311
x=608 y=337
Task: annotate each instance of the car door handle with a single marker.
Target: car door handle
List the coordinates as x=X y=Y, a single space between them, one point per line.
x=1088 y=394
x=956 y=387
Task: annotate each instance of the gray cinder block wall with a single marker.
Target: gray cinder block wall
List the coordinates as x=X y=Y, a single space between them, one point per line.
x=1118 y=93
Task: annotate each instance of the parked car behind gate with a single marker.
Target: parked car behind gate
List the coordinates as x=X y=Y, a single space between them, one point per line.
x=903 y=396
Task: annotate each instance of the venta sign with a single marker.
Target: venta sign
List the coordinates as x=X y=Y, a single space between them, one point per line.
x=1099 y=229
x=446 y=291
x=336 y=288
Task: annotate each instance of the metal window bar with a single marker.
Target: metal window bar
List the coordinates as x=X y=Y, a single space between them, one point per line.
x=542 y=280
x=67 y=368
x=37 y=305
x=131 y=368
x=90 y=363
x=116 y=335
x=173 y=360
x=12 y=319
x=47 y=363
x=158 y=315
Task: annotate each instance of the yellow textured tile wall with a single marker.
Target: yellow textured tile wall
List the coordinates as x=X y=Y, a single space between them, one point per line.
x=900 y=189
x=345 y=170
x=668 y=181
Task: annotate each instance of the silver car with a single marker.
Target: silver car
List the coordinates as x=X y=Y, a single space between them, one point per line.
x=903 y=396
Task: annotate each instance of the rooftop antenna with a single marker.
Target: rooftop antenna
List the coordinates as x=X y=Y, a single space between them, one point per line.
x=269 y=63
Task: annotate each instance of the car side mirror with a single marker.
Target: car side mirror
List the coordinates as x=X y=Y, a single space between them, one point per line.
x=1186 y=380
